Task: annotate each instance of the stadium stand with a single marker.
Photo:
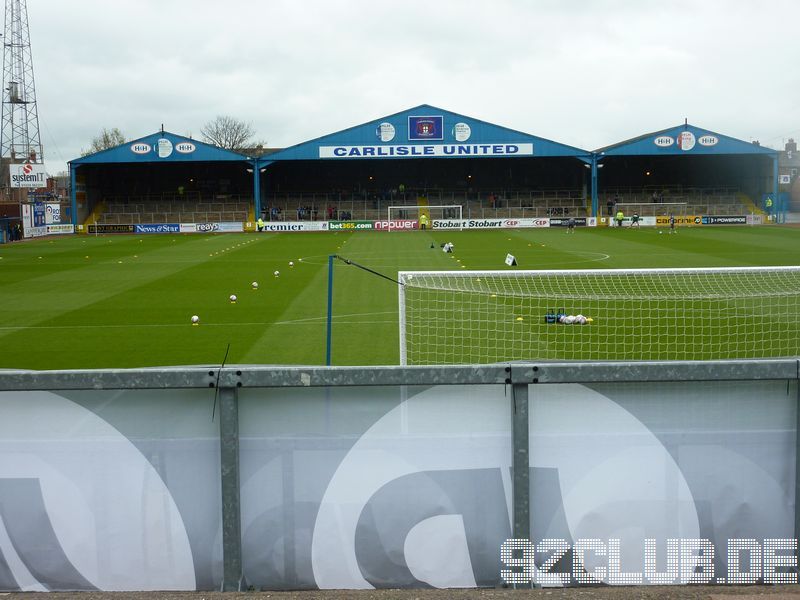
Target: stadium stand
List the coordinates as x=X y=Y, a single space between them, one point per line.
x=319 y=206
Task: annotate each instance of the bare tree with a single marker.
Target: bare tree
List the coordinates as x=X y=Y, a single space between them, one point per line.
x=229 y=133
x=108 y=138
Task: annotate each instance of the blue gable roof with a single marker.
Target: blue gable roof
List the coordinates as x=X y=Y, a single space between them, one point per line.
x=161 y=147
x=682 y=140
x=423 y=132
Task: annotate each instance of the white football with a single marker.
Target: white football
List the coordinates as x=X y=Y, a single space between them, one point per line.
x=195 y=319
x=233 y=297
x=255 y=285
x=291 y=263
x=276 y=273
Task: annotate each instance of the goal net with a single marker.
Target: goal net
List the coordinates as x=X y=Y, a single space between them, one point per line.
x=647 y=209
x=439 y=212
x=475 y=317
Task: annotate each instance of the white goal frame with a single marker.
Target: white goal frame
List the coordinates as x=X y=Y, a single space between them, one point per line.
x=778 y=304
x=653 y=209
x=419 y=208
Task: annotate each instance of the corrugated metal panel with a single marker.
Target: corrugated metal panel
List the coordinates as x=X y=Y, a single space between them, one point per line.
x=682 y=140
x=454 y=135
x=161 y=147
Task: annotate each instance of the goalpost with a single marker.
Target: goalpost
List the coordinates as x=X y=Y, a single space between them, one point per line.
x=479 y=317
x=437 y=212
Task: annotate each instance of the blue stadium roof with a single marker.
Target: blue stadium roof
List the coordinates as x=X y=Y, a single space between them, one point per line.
x=423 y=132
x=159 y=147
x=682 y=140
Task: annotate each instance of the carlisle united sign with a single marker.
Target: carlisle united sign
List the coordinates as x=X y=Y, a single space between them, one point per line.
x=425 y=150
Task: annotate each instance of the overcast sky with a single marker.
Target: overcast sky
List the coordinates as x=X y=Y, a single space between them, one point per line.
x=587 y=73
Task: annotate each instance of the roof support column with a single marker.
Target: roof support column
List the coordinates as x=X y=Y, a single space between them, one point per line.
x=594 y=185
x=73 y=197
x=590 y=162
x=776 y=209
x=256 y=190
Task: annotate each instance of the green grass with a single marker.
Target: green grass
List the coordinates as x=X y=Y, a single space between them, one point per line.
x=126 y=301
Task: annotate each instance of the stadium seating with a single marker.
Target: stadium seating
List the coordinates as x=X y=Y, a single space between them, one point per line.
x=199 y=210
x=476 y=204
x=481 y=205
x=652 y=201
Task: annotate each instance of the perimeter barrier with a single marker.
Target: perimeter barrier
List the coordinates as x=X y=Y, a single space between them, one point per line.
x=523 y=474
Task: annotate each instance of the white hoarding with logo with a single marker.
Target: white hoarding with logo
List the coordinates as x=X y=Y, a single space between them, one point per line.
x=755 y=219
x=293 y=226
x=526 y=222
x=57 y=229
x=52 y=213
x=201 y=227
x=28 y=176
x=231 y=226
x=396 y=225
x=489 y=223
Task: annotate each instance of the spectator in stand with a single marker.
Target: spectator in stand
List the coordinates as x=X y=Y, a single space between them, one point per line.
x=610 y=207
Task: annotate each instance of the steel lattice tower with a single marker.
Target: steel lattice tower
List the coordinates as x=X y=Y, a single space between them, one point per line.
x=19 y=140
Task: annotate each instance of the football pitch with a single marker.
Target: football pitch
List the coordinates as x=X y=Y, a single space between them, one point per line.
x=83 y=302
